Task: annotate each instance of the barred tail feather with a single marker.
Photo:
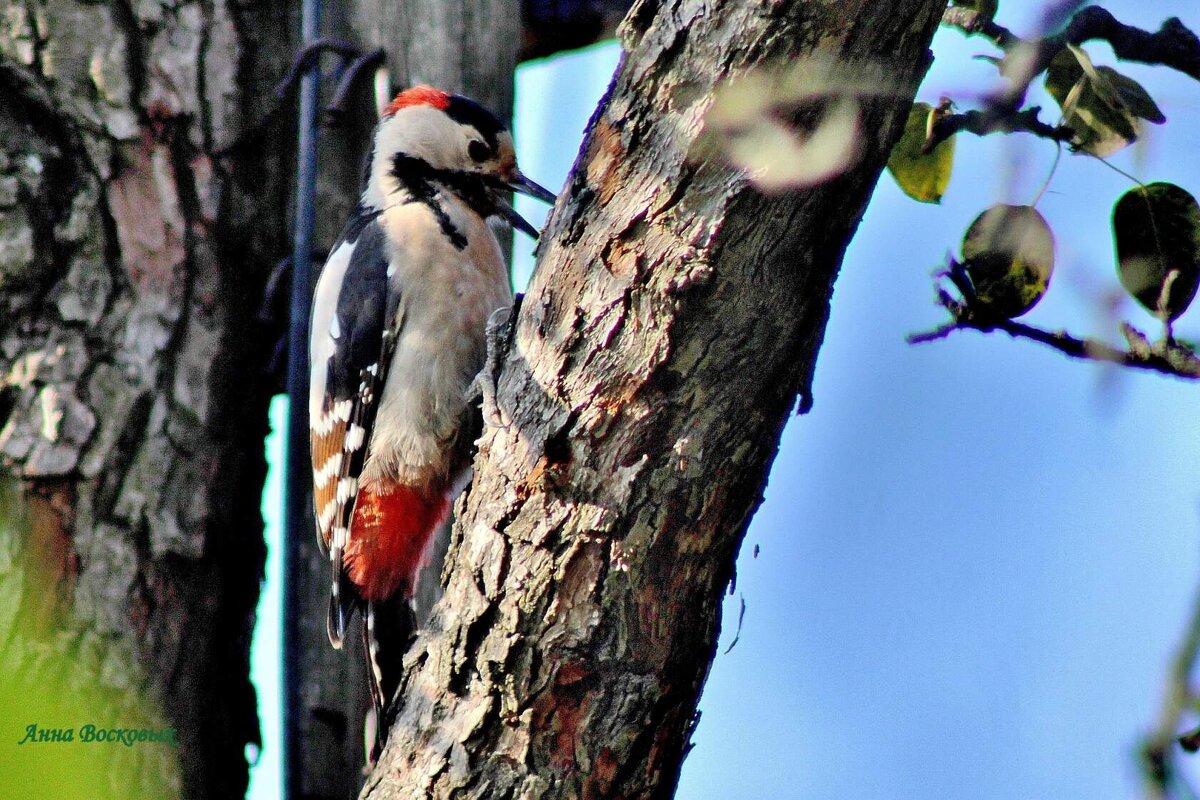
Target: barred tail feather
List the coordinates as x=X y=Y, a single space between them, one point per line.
x=342 y=600
x=388 y=629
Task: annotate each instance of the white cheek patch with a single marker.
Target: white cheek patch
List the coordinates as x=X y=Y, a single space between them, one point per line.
x=335 y=328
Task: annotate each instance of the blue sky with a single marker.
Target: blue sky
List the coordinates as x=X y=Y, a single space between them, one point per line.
x=975 y=556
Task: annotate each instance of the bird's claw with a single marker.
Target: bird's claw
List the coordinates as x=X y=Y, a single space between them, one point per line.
x=499 y=335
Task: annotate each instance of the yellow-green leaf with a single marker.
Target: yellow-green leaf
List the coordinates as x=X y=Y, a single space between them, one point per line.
x=922 y=176
x=1008 y=253
x=1156 y=229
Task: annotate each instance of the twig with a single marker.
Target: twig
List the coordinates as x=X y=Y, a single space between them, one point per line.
x=1158 y=762
x=353 y=73
x=1115 y=168
x=981 y=123
x=1167 y=356
x=971 y=22
x=940 y=332
x=1049 y=176
x=738 y=633
x=1173 y=45
x=1056 y=14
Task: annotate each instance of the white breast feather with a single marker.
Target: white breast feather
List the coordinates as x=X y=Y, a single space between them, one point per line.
x=447 y=296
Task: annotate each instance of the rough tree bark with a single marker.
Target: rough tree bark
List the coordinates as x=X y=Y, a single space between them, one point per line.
x=139 y=177
x=675 y=315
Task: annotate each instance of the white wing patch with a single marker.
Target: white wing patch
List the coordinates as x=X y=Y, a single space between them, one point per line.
x=347 y=488
x=324 y=421
x=327 y=471
x=324 y=317
x=355 y=437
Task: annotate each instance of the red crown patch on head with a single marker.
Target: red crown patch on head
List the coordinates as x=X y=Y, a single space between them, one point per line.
x=418 y=96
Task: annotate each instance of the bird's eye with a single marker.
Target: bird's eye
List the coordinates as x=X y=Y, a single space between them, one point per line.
x=478 y=150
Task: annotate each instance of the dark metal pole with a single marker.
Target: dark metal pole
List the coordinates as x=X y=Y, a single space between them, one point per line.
x=295 y=497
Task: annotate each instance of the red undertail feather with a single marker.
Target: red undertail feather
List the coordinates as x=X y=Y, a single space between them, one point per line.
x=418 y=96
x=389 y=537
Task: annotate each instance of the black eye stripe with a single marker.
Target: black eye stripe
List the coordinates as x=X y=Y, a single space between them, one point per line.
x=478 y=150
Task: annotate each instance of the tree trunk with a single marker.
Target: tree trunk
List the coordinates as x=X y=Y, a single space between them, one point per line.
x=674 y=316
x=139 y=180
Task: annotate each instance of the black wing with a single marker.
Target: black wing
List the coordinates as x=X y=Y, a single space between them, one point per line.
x=363 y=333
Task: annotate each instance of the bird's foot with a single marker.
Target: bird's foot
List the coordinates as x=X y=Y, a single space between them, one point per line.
x=501 y=329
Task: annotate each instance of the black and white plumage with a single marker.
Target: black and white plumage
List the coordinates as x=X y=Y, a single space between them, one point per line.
x=397 y=336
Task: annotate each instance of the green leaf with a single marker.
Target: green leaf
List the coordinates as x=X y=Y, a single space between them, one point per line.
x=1008 y=253
x=986 y=8
x=1156 y=229
x=922 y=176
x=1103 y=107
x=1133 y=95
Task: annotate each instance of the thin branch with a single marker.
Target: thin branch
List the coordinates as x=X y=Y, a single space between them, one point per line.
x=1157 y=752
x=1173 y=45
x=1049 y=176
x=310 y=54
x=1059 y=12
x=940 y=332
x=1167 y=356
x=1115 y=168
x=981 y=123
x=741 y=618
x=971 y=22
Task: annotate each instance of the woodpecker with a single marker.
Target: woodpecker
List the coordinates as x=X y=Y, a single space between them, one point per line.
x=397 y=335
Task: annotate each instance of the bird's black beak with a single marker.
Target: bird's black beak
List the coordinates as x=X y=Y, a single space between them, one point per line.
x=510 y=215
x=519 y=183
